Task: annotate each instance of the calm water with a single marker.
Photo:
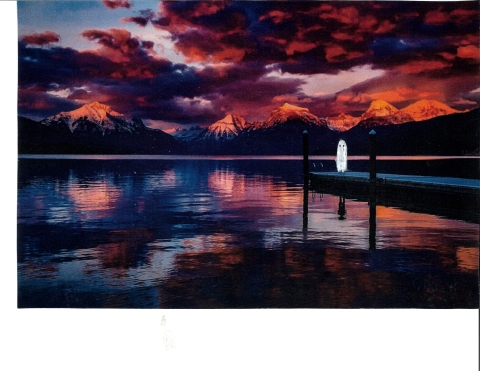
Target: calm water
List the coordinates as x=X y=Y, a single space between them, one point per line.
x=226 y=233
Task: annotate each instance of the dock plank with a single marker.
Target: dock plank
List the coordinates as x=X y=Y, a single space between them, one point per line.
x=426 y=182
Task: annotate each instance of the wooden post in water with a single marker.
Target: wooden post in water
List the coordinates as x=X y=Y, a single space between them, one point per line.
x=373 y=191
x=306 y=169
x=373 y=155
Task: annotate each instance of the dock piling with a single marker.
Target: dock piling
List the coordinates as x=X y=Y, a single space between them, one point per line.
x=373 y=190
x=306 y=169
x=373 y=155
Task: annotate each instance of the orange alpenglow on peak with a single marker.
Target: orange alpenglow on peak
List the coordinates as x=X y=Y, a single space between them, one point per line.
x=99 y=106
x=228 y=127
x=342 y=122
x=230 y=119
x=291 y=107
x=379 y=108
x=426 y=109
x=96 y=111
x=289 y=112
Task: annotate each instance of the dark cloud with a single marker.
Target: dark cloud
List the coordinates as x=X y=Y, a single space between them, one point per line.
x=141 y=21
x=131 y=56
x=171 y=92
x=36 y=103
x=45 y=38
x=400 y=90
x=114 y=4
x=316 y=37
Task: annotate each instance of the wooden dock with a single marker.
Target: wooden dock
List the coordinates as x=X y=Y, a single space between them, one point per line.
x=449 y=197
x=437 y=184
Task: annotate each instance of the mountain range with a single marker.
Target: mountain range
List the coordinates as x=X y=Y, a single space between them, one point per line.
x=96 y=128
x=381 y=112
x=92 y=129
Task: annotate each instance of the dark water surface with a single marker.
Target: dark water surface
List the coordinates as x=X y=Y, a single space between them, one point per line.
x=226 y=233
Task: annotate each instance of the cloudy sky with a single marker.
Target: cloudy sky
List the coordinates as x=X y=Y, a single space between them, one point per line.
x=190 y=63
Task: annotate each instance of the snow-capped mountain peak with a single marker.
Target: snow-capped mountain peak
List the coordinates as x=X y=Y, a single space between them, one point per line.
x=94 y=117
x=96 y=111
x=427 y=109
x=229 y=123
x=291 y=107
x=379 y=108
x=342 y=122
x=289 y=112
x=227 y=128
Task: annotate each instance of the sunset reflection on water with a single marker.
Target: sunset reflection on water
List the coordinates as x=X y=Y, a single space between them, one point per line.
x=226 y=234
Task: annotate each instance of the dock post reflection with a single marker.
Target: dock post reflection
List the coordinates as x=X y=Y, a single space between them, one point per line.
x=305 y=203
x=373 y=154
x=342 y=210
x=372 y=234
x=306 y=176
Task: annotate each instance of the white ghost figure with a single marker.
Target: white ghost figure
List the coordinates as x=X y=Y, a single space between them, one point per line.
x=341 y=159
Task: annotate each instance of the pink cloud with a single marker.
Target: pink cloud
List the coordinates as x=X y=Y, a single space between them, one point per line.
x=205 y=8
x=436 y=17
x=277 y=16
x=45 y=38
x=462 y=16
x=347 y=15
x=114 y=4
x=367 y=23
x=419 y=66
x=447 y=56
x=299 y=46
x=384 y=27
x=401 y=94
x=336 y=53
x=469 y=51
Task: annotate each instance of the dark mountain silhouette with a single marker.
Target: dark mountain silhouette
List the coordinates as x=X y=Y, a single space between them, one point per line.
x=278 y=135
x=96 y=129
x=455 y=135
x=92 y=129
x=450 y=135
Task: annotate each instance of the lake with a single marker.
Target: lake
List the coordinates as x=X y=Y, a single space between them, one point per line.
x=230 y=232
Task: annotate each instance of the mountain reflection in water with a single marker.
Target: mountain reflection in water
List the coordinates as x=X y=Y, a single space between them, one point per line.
x=226 y=234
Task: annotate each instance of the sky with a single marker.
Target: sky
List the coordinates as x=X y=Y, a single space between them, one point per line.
x=187 y=63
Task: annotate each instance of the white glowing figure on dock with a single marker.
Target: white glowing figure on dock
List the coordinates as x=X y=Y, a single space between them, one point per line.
x=341 y=159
